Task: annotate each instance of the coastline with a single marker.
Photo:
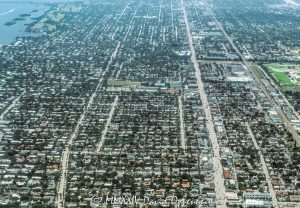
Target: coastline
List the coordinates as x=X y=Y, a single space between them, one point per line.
x=19 y=29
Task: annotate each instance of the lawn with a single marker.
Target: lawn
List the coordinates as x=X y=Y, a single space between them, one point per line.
x=282 y=66
x=257 y=71
x=282 y=78
x=286 y=74
x=121 y=83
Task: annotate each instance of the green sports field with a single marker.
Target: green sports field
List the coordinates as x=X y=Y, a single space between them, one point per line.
x=122 y=83
x=287 y=75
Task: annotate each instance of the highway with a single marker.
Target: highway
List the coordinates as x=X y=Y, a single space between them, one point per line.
x=218 y=170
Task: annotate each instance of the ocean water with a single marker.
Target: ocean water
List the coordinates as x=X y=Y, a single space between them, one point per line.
x=10 y=11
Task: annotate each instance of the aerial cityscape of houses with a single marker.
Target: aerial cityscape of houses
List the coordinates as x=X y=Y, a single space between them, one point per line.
x=153 y=100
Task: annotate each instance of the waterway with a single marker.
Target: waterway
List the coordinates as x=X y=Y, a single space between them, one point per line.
x=25 y=12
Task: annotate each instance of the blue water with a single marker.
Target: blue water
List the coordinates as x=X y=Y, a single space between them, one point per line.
x=10 y=11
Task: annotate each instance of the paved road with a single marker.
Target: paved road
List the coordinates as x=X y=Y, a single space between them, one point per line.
x=218 y=176
x=264 y=167
x=8 y=108
x=218 y=62
x=60 y=198
x=65 y=156
x=182 y=128
x=111 y=113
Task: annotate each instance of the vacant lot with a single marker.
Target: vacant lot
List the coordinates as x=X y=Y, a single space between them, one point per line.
x=121 y=83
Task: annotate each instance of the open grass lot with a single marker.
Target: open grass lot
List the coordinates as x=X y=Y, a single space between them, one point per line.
x=287 y=75
x=121 y=83
x=257 y=71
